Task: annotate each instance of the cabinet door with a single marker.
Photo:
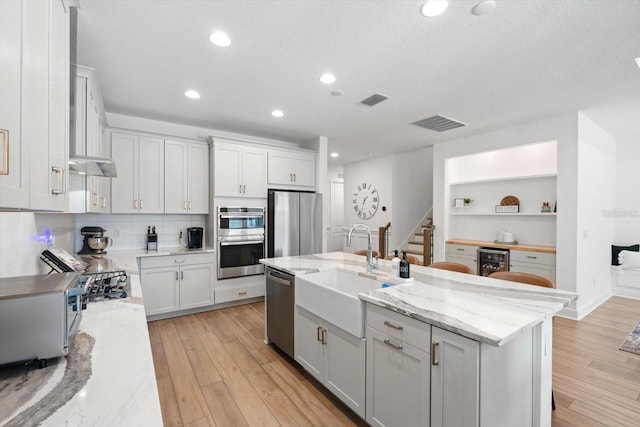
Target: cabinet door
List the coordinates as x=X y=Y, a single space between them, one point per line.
x=279 y=168
x=308 y=343
x=150 y=175
x=160 y=290
x=254 y=169
x=454 y=380
x=175 y=182
x=35 y=100
x=228 y=170
x=198 y=179
x=398 y=378
x=195 y=286
x=14 y=185
x=124 y=187
x=344 y=367
x=304 y=170
x=537 y=269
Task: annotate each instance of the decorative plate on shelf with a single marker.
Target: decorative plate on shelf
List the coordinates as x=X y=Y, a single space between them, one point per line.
x=510 y=201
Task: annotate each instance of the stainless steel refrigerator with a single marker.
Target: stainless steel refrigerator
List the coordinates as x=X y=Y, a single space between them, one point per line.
x=294 y=223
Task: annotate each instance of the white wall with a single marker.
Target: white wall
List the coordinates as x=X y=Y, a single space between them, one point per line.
x=23 y=238
x=596 y=230
x=412 y=193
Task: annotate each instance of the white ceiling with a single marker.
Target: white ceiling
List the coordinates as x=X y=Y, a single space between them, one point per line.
x=524 y=61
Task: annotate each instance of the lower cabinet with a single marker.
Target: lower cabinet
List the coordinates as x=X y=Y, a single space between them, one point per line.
x=174 y=283
x=539 y=263
x=454 y=379
x=240 y=288
x=333 y=356
x=462 y=254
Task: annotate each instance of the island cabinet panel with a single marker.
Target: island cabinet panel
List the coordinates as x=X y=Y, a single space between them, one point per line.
x=398 y=378
x=454 y=380
x=333 y=356
x=160 y=290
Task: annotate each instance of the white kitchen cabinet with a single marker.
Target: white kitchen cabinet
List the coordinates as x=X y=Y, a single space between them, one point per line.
x=538 y=263
x=333 y=356
x=240 y=170
x=34 y=104
x=186 y=187
x=239 y=288
x=398 y=369
x=291 y=168
x=139 y=186
x=174 y=283
x=463 y=254
x=455 y=380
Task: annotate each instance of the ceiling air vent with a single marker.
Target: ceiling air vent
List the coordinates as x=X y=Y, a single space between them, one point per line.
x=374 y=99
x=438 y=123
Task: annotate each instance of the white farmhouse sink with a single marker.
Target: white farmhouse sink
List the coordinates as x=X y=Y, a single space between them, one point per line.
x=333 y=296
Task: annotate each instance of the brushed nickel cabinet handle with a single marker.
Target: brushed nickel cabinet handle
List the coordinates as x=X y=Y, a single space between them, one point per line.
x=434 y=350
x=390 y=344
x=324 y=336
x=189 y=204
x=242 y=293
x=179 y=260
x=141 y=205
x=181 y=275
x=60 y=172
x=176 y=275
x=244 y=188
x=393 y=325
x=294 y=177
x=135 y=204
x=184 y=205
x=319 y=333
x=460 y=249
x=532 y=257
x=104 y=201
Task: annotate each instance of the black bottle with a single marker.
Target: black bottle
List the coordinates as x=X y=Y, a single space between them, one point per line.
x=404 y=266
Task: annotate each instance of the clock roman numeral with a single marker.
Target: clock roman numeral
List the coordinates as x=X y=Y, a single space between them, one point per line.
x=355 y=200
x=355 y=208
x=359 y=188
x=375 y=200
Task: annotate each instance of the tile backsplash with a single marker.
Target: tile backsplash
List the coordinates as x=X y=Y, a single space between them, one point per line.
x=24 y=235
x=130 y=231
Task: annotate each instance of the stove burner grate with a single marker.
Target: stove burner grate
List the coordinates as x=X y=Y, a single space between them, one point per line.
x=106 y=285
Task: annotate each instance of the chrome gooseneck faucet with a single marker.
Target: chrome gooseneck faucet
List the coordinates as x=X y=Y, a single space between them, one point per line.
x=371 y=266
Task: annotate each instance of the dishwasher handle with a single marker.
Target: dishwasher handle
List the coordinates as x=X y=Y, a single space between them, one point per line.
x=278 y=280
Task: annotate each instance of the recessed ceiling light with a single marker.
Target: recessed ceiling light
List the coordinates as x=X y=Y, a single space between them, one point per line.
x=327 y=78
x=334 y=154
x=277 y=113
x=220 y=38
x=192 y=94
x=638 y=61
x=434 y=7
x=483 y=7
x=336 y=92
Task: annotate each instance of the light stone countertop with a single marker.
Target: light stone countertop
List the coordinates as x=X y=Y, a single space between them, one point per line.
x=121 y=388
x=487 y=310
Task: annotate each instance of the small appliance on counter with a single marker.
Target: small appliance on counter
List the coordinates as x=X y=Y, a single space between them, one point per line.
x=152 y=239
x=95 y=242
x=195 y=237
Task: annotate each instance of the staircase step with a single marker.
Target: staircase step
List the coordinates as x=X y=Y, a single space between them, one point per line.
x=415 y=242
x=414 y=252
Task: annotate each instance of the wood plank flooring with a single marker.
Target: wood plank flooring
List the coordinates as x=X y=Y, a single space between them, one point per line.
x=213 y=369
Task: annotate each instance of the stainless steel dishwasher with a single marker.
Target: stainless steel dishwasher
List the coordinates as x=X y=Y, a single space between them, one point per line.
x=280 y=300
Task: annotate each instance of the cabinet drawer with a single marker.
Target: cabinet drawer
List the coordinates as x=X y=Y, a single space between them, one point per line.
x=239 y=293
x=533 y=257
x=177 y=260
x=400 y=327
x=452 y=249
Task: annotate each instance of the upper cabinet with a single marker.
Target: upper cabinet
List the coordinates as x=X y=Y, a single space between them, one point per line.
x=240 y=170
x=34 y=82
x=292 y=169
x=139 y=186
x=186 y=188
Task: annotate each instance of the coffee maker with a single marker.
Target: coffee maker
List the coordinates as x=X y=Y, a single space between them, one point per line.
x=195 y=237
x=95 y=242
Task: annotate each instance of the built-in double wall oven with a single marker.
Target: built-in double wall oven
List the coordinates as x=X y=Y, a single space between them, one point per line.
x=240 y=241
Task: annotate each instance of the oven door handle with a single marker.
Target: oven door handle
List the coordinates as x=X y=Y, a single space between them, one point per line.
x=243 y=242
x=240 y=216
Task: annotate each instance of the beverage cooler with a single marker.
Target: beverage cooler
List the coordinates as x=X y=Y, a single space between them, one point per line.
x=492 y=260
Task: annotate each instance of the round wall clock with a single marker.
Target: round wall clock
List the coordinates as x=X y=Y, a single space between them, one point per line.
x=365 y=201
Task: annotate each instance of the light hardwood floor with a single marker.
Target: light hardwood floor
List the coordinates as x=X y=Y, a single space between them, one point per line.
x=213 y=369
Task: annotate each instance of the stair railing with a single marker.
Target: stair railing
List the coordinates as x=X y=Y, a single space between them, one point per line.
x=427 y=243
x=383 y=240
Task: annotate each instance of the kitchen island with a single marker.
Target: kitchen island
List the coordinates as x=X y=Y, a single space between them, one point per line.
x=108 y=378
x=505 y=326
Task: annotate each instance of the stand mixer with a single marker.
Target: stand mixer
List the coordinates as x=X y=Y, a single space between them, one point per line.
x=94 y=242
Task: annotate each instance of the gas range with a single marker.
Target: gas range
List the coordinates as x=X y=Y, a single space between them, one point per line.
x=106 y=285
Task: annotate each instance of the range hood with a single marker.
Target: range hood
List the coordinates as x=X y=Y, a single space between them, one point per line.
x=94 y=166
x=80 y=164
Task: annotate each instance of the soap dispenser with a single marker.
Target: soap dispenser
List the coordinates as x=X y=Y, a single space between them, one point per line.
x=404 y=266
x=395 y=264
